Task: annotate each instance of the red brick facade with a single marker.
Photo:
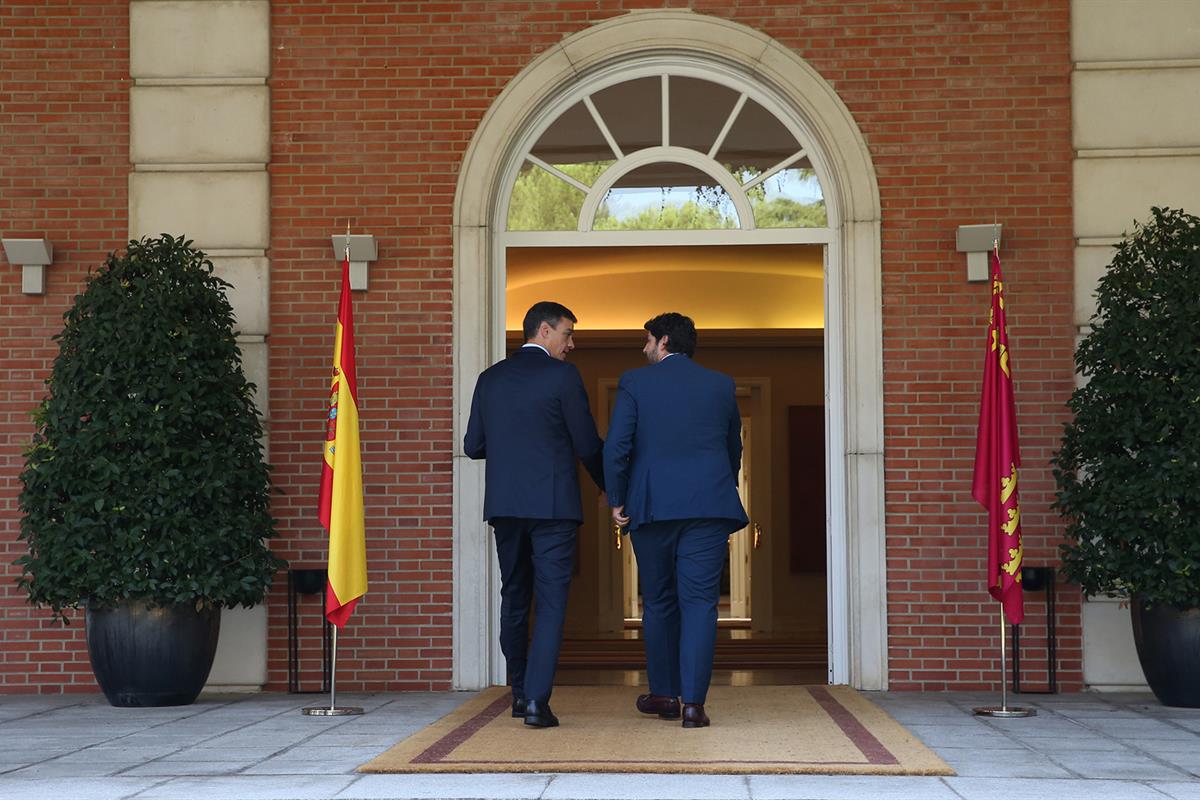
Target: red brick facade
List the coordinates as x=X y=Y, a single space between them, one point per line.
x=64 y=167
x=965 y=108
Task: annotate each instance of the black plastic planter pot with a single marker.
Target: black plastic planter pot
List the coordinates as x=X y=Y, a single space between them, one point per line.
x=144 y=656
x=1168 y=645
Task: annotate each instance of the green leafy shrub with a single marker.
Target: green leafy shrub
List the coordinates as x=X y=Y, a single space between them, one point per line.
x=1128 y=472
x=146 y=479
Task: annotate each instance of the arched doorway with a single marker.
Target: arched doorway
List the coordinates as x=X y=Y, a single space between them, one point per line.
x=648 y=53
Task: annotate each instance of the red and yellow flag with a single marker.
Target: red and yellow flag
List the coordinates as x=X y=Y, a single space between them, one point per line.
x=998 y=461
x=341 y=502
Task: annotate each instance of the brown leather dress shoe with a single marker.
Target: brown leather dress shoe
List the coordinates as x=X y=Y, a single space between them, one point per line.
x=694 y=716
x=666 y=707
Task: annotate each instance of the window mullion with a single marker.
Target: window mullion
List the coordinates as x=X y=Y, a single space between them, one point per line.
x=608 y=137
x=733 y=115
x=558 y=173
x=782 y=165
x=666 y=111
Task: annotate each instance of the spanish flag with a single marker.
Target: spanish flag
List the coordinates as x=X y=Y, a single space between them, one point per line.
x=341 y=502
x=998 y=461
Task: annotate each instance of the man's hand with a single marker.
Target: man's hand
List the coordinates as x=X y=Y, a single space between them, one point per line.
x=618 y=515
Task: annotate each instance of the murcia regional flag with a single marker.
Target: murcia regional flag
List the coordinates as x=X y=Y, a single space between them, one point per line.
x=341 y=503
x=998 y=461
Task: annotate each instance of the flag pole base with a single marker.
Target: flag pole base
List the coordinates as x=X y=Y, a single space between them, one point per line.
x=337 y=711
x=1005 y=712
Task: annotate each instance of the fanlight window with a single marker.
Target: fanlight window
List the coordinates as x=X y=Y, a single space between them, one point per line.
x=666 y=152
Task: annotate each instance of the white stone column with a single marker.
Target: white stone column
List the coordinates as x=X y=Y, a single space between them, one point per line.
x=1135 y=110
x=199 y=143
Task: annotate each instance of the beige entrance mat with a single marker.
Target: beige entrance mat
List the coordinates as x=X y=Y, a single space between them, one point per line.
x=756 y=729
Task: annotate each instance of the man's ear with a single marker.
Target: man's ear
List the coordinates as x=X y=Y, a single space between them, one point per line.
x=664 y=341
x=543 y=330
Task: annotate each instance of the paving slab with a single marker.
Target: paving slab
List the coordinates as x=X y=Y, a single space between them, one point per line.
x=247 y=787
x=67 y=789
x=1049 y=789
x=647 y=787
x=1179 y=791
x=848 y=787
x=1119 y=765
x=447 y=787
x=1000 y=763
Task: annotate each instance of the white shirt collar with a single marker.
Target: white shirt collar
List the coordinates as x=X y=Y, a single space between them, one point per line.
x=538 y=346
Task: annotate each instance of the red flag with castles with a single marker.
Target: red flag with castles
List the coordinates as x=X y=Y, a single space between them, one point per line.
x=998 y=461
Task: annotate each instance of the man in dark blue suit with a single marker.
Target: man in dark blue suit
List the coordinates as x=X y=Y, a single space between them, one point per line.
x=530 y=420
x=670 y=464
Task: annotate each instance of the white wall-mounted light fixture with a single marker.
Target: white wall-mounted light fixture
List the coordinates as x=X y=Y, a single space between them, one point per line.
x=977 y=241
x=362 y=251
x=33 y=256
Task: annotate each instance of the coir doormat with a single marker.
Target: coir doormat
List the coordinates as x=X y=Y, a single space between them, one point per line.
x=756 y=729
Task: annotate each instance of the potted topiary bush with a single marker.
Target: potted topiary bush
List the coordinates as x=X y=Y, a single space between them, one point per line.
x=1128 y=471
x=145 y=494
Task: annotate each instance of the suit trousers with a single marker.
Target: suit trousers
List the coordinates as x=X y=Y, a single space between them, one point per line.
x=536 y=556
x=679 y=568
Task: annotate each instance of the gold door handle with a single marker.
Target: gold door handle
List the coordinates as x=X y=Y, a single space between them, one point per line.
x=616 y=529
x=758 y=535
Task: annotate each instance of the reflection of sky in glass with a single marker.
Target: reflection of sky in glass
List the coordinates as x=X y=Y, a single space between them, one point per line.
x=793 y=183
x=628 y=202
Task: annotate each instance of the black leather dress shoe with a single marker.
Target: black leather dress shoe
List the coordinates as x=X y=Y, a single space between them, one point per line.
x=539 y=715
x=694 y=716
x=666 y=707
x=519 y=707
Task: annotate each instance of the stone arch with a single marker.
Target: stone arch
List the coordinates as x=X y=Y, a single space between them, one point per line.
x=857 y=610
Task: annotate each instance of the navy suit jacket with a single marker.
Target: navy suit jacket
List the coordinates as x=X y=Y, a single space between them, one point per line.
x=674 y=445
x=530 y=419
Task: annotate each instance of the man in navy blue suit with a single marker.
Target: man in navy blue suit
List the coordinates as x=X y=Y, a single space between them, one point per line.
x=671 y=462
x=530 y=420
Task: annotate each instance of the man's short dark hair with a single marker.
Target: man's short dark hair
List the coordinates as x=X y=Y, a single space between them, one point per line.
x=546 y=311
x=679 y=330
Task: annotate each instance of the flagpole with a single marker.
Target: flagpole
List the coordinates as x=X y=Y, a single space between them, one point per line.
x=334 y=710
x=1003 y=710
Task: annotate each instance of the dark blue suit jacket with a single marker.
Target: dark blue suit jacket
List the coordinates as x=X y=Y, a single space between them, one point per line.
x=674 y=444
x=530 y=419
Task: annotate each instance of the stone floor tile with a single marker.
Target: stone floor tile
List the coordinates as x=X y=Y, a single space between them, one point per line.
x=1049 y=789
x=175 y=769
x=958 y=736
x=1120 y=766
x=283 y=766
x=205 y=753
x=1134 y=728
x=59 y=768
x=1179 y=791
x=997 y=763
x=647 y=787
x=501 y=786
x=1083 y=743
x=249 y=787
x=848 y=787
x=65 y=788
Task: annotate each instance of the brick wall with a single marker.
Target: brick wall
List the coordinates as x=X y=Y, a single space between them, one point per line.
x=64 y=158
x=964 y=106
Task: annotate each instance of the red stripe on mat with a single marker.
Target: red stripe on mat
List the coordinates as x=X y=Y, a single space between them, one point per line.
x=855 y=731
x=445 y=746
